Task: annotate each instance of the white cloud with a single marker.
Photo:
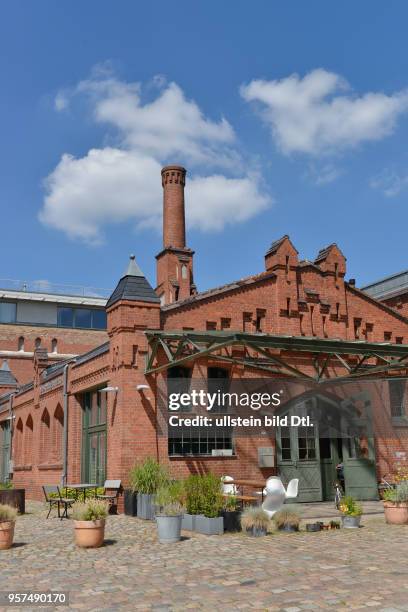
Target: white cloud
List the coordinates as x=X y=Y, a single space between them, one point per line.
x=323 y=174
x=318 y=114
x=122 y=183
x=390 y=183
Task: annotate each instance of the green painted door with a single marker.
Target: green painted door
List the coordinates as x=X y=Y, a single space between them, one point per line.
x=94 y=438
x=299 y=455
x=4 y=451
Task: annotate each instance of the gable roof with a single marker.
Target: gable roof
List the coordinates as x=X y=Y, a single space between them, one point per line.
x=389 y=286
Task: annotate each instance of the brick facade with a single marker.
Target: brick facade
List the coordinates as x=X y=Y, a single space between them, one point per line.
x=291 y=297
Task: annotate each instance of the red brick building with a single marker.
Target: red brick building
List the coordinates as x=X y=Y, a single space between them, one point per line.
x=92 y=416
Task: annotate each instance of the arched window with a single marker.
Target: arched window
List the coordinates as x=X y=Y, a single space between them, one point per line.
x=18 y=443
x=28 y=441
x=54 y=345
x=37 y=343
x=44 y=436
x=21 y=343
x=57 y=433
x=184 y=271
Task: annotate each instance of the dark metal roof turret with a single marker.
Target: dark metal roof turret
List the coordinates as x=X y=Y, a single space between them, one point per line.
x=133 y=286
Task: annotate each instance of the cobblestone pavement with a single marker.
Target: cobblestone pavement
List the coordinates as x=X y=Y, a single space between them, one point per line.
x=332 y=570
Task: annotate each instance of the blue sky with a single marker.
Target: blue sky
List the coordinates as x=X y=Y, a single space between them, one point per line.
x=290 y=118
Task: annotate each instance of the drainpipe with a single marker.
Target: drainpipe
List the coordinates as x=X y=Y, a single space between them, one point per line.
x=65 y=431
x=11 y=418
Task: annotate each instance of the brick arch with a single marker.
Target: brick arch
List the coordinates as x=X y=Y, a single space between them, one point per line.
x=18 y=442
x=28 y=441
x=44 y=435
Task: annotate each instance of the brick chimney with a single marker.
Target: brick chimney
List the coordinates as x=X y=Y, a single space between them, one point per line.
x=175 y=261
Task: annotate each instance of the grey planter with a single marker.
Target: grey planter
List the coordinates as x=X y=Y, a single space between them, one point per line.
x=209 y=526
x=169 y=528
x=145 y=506
x=256 y=532
x=188 y=522
x=350 y=522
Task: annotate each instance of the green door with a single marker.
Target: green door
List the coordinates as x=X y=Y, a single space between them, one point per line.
x=4 y=451
x=94 y=438
x=299 y=454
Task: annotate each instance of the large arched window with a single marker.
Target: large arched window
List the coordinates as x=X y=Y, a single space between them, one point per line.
x=57 y=432
x=44 y=436
x=28 y=441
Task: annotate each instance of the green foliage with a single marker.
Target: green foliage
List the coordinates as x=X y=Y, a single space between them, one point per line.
x=203 y=495
x=75 y=493
x=7 y=513
x=90 y=510
x=398 y=495
x=253 y=517
x=170 y=499
x=288 y=516
x=6 y=485
x=350 y=507
x=148 y=477
x=230 y=503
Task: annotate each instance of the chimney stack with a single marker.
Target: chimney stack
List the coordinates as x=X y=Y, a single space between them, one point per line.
x=174 y=226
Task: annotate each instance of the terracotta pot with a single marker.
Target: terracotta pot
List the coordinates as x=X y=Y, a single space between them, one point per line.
x=396 y=514
x=6 y=534
x=89 y=534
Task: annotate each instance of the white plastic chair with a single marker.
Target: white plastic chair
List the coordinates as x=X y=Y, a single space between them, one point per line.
x=276 y=494
x=228 y=489
x=293 y=488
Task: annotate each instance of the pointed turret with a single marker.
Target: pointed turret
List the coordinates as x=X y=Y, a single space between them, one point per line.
x=133 y=286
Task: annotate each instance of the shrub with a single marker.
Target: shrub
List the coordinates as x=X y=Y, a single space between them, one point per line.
x=90 y=510
x=193 y=494
x=230 y=503
x=398 y=495
x=7 y=513
x=254 y=517
x=203 y=495
x=287 y=517
x=74 y=493
x=170 y=499
x=6 y=485
x=148 y=476
x=350 y=507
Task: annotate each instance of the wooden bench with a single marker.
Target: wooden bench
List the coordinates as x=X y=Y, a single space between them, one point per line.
x=243 y=498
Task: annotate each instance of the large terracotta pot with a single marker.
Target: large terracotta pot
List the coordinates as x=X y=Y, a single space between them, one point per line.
x=6 y=534
x=89 y=534
x=396 y=513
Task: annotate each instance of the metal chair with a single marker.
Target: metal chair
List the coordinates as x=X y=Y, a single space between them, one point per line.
x=227 y=488
x=54 y=498
x=115 y=487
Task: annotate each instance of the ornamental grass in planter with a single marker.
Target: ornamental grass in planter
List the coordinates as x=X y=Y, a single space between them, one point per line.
x=169 y=511
x=287 y=519
x=146 y=478
x=254 y=521
x=8 y=516
x=351 y=512
x=89 y=522
x=396 y=504
x=208 y=505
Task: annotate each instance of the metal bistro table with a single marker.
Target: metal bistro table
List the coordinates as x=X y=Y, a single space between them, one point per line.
x=82 y=487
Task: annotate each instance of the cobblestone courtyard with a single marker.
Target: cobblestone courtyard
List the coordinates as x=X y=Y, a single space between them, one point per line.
x=334 y=570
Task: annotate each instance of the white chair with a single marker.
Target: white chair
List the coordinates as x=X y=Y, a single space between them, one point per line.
x=276 y=494
x=228 y=489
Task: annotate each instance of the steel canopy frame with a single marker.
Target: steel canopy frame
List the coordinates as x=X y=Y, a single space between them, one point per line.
x=357 y=357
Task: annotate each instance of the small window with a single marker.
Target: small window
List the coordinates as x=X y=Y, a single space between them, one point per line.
x=399 y=339
x=65 y=317
x=37 y=343
x=54 y=345
x=225 y=323
x=387 y=336
x=260 y=319
x=99 y=319
x=247 y=321
x=21 y=343
x=83 y=318
x=397 y=390
x=211 y=325
x=7 y=312
x=184 y=272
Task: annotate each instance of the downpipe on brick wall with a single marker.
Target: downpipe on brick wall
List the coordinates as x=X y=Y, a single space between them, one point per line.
x=65 y=432
x=11 y=419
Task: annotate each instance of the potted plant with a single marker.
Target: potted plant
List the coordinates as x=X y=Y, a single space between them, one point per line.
x=231 y=514
x=351 y=512
x=193 y=493
x=8 y=516
x=12 y=496
x=89 y=522
x=396 y=504
x=209 y=521
x=146 y=478
x=254 y=521
x=287 y=519
x=169 y=511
